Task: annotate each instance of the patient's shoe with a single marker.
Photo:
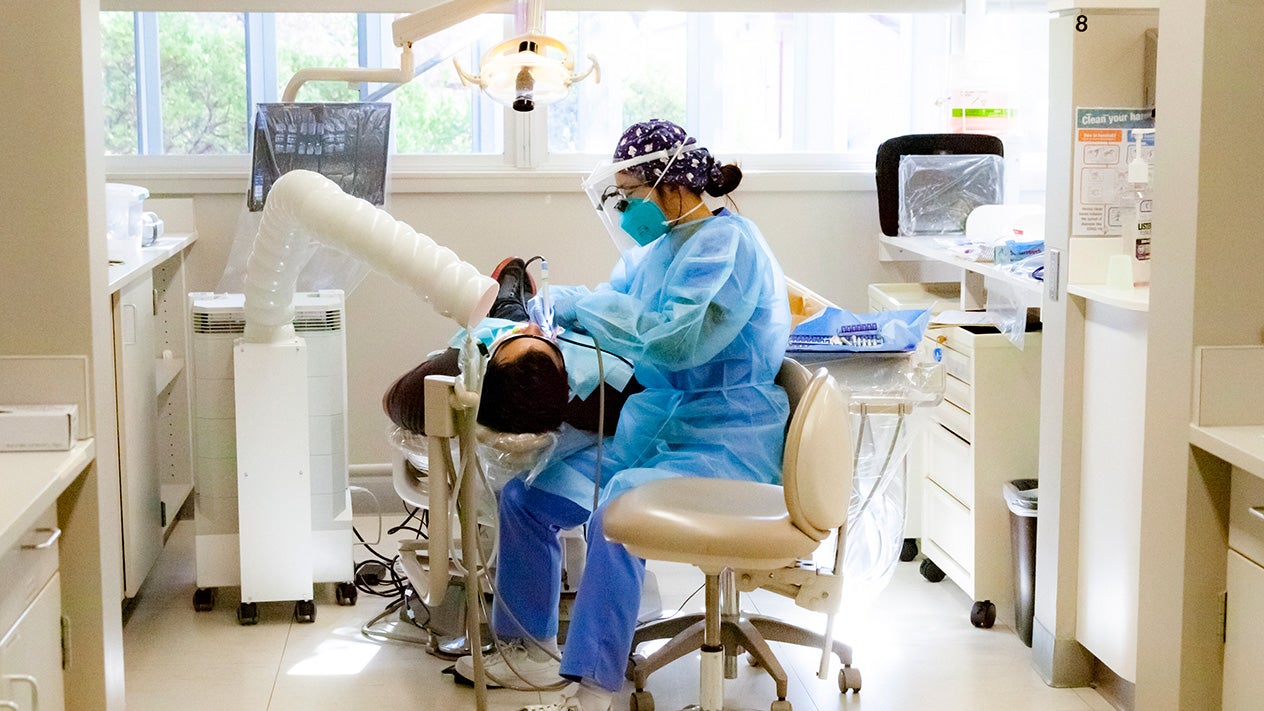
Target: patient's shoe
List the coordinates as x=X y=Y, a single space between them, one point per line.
x=515 y=665
x=577 y=697
x=516 y=286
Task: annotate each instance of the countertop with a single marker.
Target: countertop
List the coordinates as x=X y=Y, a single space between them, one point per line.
x=123 y=273
x=930 y=248
x=32 y=481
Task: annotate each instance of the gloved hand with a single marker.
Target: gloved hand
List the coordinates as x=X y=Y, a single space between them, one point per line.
x=543 y=315
x=563 y=298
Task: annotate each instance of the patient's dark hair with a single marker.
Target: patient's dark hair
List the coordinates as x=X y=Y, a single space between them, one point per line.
x=526 y=393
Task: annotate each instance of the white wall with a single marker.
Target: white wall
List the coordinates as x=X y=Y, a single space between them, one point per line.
x=825 y=238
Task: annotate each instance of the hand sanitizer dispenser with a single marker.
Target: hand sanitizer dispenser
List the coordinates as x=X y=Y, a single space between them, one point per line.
x=1137 y=210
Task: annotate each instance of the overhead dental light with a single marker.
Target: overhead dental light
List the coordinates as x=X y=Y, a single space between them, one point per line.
x=529 y=70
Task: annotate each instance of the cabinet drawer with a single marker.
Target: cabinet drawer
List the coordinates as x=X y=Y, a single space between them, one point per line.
x=959 y=393
x=949 y=464
x=956 y=363
x=955 y=419
x=27 y=568
x=949 y=524
x=1246 y=515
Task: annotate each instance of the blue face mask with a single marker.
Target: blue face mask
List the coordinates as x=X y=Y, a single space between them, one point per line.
x=643 y=220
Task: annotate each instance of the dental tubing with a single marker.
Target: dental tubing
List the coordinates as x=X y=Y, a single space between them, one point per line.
x=303 y=203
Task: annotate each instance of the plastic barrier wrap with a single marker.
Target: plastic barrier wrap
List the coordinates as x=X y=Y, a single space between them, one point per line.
x=886 y=390
x=938 y=192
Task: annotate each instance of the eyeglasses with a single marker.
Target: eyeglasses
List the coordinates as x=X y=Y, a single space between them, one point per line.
x=616 y=198
x=613 y=199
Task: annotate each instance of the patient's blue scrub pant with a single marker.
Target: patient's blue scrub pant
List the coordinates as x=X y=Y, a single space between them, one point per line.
x=529 y=582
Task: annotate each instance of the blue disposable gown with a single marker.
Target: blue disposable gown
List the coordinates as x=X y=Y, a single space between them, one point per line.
x=703 y=314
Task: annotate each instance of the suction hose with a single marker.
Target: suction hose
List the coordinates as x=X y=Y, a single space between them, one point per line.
x=303 y=203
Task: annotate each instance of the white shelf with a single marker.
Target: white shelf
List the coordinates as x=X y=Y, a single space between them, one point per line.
x=1242 y=446
x=173 y=497
x=1130 y=298
x=165 y=371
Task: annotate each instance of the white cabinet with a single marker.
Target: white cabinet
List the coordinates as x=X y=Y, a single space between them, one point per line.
x=1244 y=635
x=138 y=431
x=1244 y=607
x=983 y=434
x=1093 y=404
x=30 y=621
x=155 y=460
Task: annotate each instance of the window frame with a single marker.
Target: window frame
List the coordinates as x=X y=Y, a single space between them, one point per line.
x=525 y=140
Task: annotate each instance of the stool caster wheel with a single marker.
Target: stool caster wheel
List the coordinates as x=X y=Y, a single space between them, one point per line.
x=781 y=705
x=983 y=614
x=641 y=701
x=848 y=680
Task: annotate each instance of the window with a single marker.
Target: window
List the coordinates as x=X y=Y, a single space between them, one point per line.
x=753 y=83
x=781 y=90
x=174 y=87
x=186 y=83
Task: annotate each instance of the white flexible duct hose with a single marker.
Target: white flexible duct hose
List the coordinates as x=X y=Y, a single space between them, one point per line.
x=303 y=203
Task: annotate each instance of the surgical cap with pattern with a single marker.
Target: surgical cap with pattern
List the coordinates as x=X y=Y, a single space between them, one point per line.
x=694 y=168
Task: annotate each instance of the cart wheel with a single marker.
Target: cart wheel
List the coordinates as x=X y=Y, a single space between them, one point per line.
x=909 y=551
x=204 y=599
x=641 y=701
x=248 y=613
x=848 y=680
x=781 y=705
x=304 y=611
x=930 y=571
x=346 y=594
x=983 y=614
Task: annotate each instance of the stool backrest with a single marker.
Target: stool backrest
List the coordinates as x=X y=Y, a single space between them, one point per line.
x=817 y=462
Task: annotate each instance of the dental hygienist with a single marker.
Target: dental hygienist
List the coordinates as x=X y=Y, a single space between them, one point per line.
x=698 y=303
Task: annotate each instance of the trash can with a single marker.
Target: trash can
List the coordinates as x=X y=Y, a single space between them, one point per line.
x=1021 y=495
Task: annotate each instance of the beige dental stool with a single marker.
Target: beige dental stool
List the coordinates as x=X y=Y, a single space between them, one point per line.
x=747 y=535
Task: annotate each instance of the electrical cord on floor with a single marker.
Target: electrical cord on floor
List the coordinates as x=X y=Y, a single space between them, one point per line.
x=380 y=576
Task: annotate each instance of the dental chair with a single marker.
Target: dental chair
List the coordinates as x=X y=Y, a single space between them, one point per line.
x=747 y=535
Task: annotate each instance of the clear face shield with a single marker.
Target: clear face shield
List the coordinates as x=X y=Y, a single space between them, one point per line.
x=602 y=188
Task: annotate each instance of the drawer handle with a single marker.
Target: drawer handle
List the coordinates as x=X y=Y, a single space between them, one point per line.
x=1257 y=511
x=27 y=679
x=53 y=535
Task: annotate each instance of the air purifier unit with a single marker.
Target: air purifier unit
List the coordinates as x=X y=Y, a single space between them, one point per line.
x=259 y=525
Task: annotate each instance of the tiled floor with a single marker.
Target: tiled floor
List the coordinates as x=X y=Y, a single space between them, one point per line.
x=914 y=645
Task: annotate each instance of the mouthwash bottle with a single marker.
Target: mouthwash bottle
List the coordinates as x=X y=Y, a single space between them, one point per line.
x=1137 y=209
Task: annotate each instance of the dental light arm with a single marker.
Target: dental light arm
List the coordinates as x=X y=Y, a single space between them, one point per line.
x=529 y=70
x=405 y=31
x=302 y=203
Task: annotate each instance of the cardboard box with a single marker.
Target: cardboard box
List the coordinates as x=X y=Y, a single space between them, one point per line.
x=38 y=428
